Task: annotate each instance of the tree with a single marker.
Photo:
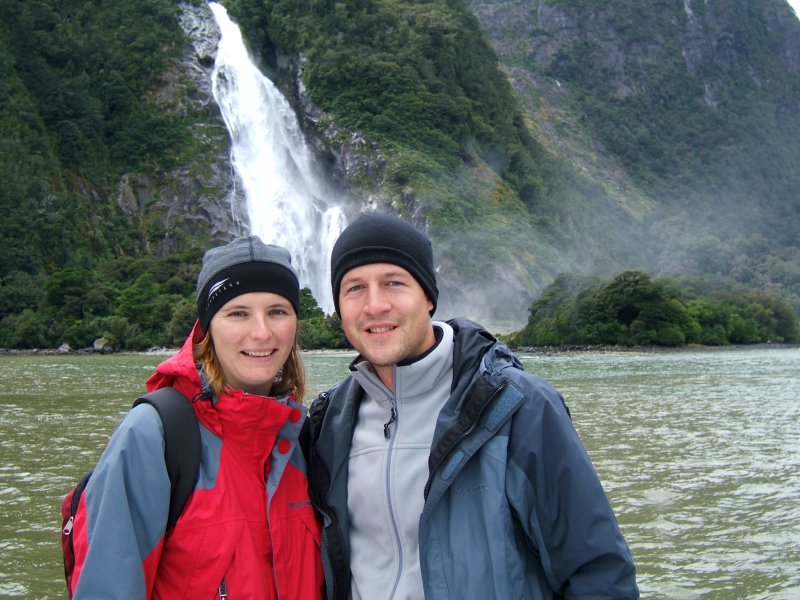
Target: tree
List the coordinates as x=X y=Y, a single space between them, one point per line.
x=18 y=291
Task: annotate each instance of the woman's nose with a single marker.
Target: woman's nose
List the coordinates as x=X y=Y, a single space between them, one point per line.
x=260 y=328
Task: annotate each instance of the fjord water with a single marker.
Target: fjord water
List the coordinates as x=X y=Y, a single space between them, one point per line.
x=699 y=452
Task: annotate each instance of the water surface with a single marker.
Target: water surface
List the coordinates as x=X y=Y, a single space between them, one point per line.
x=699 y=452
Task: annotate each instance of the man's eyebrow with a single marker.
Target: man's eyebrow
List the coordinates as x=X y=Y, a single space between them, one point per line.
x=386 y=275
x=347 y=279
x=398 y=273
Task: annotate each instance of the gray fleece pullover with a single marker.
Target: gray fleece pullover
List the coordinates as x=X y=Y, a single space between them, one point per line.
x=388 y=468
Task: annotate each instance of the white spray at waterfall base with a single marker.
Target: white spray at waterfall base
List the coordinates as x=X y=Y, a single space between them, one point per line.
x=288 y=201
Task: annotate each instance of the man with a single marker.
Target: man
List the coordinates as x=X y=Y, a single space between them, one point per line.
x=440 y=468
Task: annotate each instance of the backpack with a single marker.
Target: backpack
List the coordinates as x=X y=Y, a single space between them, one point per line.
x=181 y=454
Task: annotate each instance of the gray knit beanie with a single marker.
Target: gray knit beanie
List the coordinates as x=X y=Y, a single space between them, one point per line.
x=242 y=266
x=382 y=238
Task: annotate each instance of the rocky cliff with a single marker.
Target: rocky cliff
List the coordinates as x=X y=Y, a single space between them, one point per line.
x=201 y=199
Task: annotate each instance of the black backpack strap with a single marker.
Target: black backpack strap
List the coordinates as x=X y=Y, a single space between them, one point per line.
x=181 y=444
x=309 y=434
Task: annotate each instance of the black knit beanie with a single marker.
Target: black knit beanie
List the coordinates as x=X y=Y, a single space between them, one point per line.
x=244 y=265
x=382 y=238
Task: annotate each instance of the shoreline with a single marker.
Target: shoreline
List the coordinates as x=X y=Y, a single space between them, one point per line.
x=601 y=349
x=539 y=350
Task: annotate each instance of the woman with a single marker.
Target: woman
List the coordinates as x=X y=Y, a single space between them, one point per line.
x=248 y=530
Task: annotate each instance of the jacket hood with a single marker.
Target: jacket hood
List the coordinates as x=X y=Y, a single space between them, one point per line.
x=251 y=421
x=180 y=370
x=470 y=343
x=475 y=346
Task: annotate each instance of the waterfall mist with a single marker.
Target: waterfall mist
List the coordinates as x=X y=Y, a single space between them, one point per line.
x=288 y=200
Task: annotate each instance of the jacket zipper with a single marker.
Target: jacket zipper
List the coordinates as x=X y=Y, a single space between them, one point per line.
x=393 y=410
x=390 y=452
x=268 y=501
x=438 y=464
x=457 y=441
x=392 y=418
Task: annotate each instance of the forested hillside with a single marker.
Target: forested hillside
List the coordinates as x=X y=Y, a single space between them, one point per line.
x=531 y=139
x=660 y=136
x=73 y=125
x=697 y=102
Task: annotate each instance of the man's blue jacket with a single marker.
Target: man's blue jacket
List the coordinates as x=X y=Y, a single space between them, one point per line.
x=513 y=506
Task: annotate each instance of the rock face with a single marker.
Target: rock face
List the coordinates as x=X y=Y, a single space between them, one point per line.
x=533 y=32
x=201 y=199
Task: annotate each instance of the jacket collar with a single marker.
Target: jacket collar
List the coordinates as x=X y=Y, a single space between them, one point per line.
x=412 y=379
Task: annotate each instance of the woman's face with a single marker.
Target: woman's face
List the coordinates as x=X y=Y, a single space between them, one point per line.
x=253 y=335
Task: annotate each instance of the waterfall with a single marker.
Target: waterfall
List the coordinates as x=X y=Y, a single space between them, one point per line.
x=288 y=201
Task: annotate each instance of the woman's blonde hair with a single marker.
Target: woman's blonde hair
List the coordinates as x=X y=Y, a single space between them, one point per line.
x=291 y=376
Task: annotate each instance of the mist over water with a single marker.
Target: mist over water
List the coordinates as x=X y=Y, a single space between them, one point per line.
x=288 y=200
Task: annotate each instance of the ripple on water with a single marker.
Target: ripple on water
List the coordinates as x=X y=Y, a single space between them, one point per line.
x=13 y=590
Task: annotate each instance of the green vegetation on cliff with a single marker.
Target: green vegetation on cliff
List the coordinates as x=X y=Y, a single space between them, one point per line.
x=694 y=103
x=699 y=101
x=420 y=83
x=77 y=113
x=420 y=78
x=82 y=106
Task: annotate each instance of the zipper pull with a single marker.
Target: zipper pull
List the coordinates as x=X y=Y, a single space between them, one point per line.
x=386 y=433
x=68 y=527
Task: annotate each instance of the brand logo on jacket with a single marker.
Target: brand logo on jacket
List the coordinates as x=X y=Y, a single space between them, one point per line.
x=465 y=491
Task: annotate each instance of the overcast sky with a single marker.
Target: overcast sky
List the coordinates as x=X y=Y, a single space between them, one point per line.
x=795 y=5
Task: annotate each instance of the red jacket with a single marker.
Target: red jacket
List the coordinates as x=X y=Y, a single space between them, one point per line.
x=249 y=521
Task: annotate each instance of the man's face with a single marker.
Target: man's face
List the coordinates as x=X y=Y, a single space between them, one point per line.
x=385 y=315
